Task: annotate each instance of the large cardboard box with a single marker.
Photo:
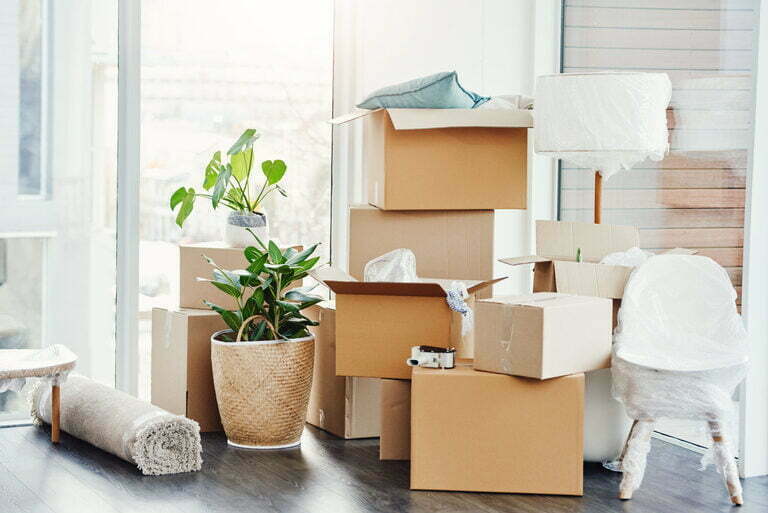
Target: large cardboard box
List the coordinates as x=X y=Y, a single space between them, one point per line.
x=395 y=442
x=445 y=159
x=543 y=335
x=447 y=244
x=377 y=323
x=182 y=379
x=192 y=265
x=555 y=266
x=345 y=407
x=482 y=432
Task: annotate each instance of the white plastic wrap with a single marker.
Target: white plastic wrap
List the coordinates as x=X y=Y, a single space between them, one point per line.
x=456 y=298
x=680 y=349
x=633 y=257
x=52 y=363
x=602 y=121
x=398 y=265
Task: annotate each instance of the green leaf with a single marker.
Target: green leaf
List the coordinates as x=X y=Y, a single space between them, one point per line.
x=261 y=329
x=178 y=196
x=245 y=141
x=257 y=265
x=228 y=277
x=258 y=240
x=309 y=264
x=222 y=182
x=289 y=307
x=274 y=253
x=230 y=290
x=239 y=162
x=278 y=268
x=273 y=170
x=299 y=296
x=212 y=171
x=232 y=319
x=302 y=255
x=251 y=253
x=236 y=195
x=282 y=191
x=187 y=204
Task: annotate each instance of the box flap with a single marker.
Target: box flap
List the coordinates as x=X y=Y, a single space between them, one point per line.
x=531 y=259
x=416 y=119
x=351 y=116
x=541 y=300
x=560 y=240
x=330 y=273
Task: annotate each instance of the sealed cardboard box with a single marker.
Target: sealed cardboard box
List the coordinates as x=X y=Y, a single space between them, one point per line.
x=192 y=265
x=395 y=442
x=345 y=407
x=182 y=380
x=483 y=432
x=377 y=323
x=447 y=244
x=543 y=335
x=445 y=159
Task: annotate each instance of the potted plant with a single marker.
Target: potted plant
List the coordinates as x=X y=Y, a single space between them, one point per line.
x=262 y=365
x=229 y=184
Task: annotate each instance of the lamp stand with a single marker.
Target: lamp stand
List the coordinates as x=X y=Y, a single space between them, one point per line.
x=598 y=197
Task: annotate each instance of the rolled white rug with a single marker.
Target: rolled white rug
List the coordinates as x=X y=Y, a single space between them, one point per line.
x=157 y=441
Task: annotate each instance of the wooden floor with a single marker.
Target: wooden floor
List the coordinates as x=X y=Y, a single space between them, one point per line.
x=326 y=475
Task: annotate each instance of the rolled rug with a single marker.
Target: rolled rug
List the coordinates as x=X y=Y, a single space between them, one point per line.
x=157 y=441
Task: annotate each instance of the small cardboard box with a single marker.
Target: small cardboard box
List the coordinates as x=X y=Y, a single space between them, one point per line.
x=447 y=244
x=482 y=432
x=182 y=379
x=345 y=407
x=395 y=442
x=192 y=265
x=543 y=335
x=377 y=323
x=445 y=159
x=555 y=266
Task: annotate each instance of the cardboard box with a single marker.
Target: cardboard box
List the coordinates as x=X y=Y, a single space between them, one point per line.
x=192 y=265
x=555 y=266
x=182 y=379
x=395 y=442
x=377 y=323
x=345 y=407
x=543 y=335
x=447 y=244
x=482 y=432
x=445 y=159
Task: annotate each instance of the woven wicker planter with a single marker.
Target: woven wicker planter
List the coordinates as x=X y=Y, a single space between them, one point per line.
x=263 y=389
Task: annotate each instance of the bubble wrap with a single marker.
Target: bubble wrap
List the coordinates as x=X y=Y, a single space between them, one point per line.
x=398 y=265
x=680 y=349
x=602 y=121
x=632 y=257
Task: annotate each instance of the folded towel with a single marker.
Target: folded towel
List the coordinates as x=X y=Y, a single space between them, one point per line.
x=155 y=440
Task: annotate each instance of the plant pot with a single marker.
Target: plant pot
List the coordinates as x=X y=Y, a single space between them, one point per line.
x=263 y=390
x=236 y=232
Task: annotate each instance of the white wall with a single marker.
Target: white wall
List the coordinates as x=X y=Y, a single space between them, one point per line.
x=492 y=44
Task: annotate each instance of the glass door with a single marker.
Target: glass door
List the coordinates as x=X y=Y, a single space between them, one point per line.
x=58 y=117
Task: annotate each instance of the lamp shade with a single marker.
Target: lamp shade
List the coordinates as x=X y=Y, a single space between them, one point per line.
x=603 y=121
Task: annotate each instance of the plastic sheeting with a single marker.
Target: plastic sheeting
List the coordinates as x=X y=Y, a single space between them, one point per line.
x=680 y=349
x=398 y=265
x=52 y=363
x=633 y=257
x=603 y=121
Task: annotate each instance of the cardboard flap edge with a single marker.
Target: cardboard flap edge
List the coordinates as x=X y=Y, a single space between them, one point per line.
x=351 y=116
x=530 y=259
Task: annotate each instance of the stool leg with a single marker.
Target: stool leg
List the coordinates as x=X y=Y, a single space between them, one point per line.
x=725 y=462
x=55 y=413
x=634 y=457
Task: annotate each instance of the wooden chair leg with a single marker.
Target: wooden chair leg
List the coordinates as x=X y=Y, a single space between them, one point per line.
x=725 y=462
x=55 y=413
x=634 y=457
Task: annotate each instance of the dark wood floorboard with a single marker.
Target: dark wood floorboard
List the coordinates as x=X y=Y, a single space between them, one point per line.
x=326 y=475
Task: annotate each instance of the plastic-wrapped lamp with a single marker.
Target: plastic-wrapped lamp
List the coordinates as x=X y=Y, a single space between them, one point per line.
x=603 y=121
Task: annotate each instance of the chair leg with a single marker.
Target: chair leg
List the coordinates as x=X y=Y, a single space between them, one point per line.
x=55 y=413
x=634 y=457
x=725 y=462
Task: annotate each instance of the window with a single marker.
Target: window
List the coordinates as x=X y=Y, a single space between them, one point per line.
x=694 y=197
x=31 y=128
x=205 y=78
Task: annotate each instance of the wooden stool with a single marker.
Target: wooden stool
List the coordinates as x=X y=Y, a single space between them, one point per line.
x=53 y=362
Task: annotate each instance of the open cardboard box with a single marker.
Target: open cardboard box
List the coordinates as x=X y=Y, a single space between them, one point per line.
x=555 y=266
x=445 y=159
x=378 y=322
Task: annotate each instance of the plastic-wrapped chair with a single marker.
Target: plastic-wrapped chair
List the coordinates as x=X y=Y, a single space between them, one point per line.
x=680 y=351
